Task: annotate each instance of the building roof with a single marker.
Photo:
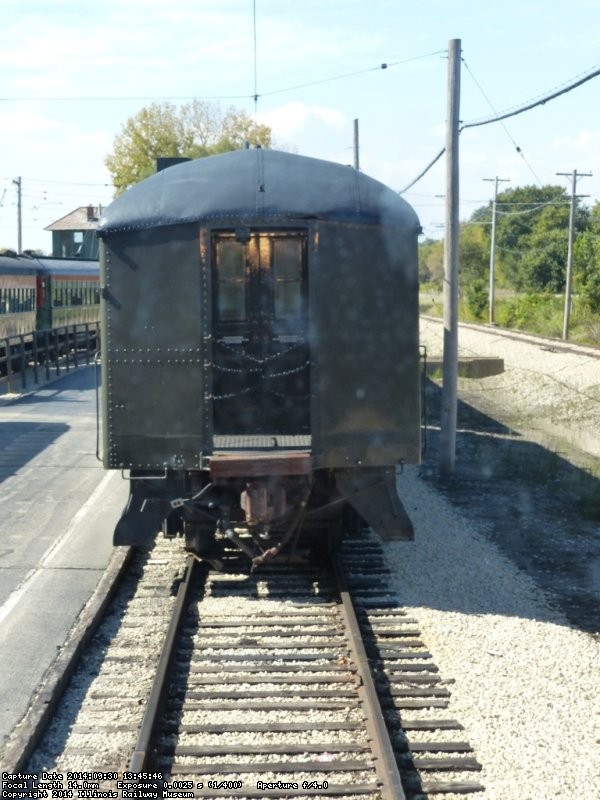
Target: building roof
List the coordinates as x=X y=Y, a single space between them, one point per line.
x=84 y=218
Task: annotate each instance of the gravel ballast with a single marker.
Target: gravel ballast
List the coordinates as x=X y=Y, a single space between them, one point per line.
x=525 y=678
x=526 y=684
x=544 y=386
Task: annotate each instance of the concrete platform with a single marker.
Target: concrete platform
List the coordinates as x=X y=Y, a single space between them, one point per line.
x=469 y=366
x=59 y=508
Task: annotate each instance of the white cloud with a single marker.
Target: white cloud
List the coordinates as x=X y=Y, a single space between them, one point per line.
x=310 y=129
x=21 y=122
x=583 y=145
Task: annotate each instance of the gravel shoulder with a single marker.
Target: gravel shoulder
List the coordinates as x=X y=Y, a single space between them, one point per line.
x=504 y=572
x=526 y=461
x=523 y=681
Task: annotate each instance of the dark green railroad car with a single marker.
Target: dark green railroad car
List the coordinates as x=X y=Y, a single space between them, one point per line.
x=260 y=351
x=68 y=292
x=18 y=290
x=44 y=302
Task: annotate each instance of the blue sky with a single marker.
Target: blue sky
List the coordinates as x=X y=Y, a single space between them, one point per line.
x=72 y=73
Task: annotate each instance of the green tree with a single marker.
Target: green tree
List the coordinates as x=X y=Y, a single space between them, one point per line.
x=531 y=236
x=586 y=260
x=194 y=130
x=431 y=261
x=541 y=266
x=476 y=295
x=473 y=253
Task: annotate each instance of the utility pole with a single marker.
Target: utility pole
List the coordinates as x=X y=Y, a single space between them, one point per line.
x=450 y=365
x=491 y=297
x=356 y=159
x=17 y=182
x=567 y=313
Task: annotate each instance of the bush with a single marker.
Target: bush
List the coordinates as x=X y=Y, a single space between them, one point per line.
x=536 y=313
x=590 y=292
x=431 y=299
x=476 y=296
x=585 y=325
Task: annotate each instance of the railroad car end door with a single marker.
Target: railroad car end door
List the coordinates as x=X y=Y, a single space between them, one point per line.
x=261 y=382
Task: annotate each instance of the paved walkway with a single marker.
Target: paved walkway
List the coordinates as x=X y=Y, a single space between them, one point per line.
x=59 y=508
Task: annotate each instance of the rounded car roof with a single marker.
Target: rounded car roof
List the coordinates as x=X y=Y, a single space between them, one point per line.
x=246 y=184
x=32 y=265
x=68 y=266
x=15 y=265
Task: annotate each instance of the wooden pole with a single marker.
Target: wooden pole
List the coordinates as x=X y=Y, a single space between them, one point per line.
x=19 y=184
x=569 y=276
x=450 y=365
x=492 y=286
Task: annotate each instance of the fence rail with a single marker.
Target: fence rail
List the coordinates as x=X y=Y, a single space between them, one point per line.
x=30 y=358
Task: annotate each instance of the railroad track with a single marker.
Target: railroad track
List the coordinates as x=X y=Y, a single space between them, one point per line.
x=543 y=342
x=295 y=681
x=275 y=698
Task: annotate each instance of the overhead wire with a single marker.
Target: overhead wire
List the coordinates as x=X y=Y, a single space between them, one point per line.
x=489 y=102
x=62 y=183
x=564 y=202
x=382 y=66
x=539 y=101
x=527 y=106
x=529 y=210
x=255 y=97
x=536 y=206
x=497 y=117
x=66 y=183
x=105 y=98
x=424 y=172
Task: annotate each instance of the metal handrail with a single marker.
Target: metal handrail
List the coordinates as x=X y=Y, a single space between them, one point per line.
x=60 y=348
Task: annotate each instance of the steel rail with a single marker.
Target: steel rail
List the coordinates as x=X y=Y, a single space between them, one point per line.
x=386 y=765
x=157 y=693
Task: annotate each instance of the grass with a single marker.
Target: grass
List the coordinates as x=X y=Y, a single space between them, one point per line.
x=532 y=313
x=537 y=466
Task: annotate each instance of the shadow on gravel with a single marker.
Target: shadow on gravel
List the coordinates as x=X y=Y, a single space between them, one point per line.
x=541 y=509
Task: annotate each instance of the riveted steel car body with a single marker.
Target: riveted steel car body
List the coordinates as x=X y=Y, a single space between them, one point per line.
x=260 y=333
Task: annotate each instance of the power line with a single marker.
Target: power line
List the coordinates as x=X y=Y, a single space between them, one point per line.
x=517 y=213
x=539 y=101
x=528 y=210
x=533 y=202
x=63 y=183
x=379 y=67
x=124 y=98
x=568 y=87
x=343 y=76
x=489 y=102
x=424 y=172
